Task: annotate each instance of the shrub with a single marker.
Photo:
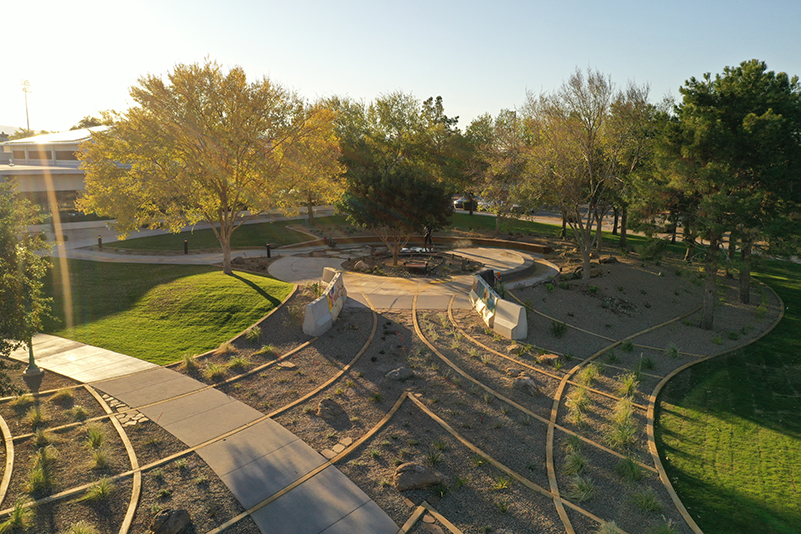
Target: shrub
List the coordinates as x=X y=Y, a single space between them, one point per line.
x=627 y=346
x=82 y=527
x=225 y=348
x=664 y=528
x=652 y=249
x=581 y=489
x=215 y=371
x=646 y=500
x=673 y=351
x=62 y=397
x=627 y=385
x=574 y=463
x=42 y=438
x=589 y=374
x=188 y=362
x=645 y=363
x=36 y=416
x=608 y=528
x=253 y=334
x=100 y=459
x=238 y=363
x=20 y=517
x=267 y=350
x=558 y=329
x=21 y=402
x=99 y=491
x=94 y=437
x=629 y=470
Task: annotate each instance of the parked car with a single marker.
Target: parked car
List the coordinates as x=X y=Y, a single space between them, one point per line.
x=463 y=203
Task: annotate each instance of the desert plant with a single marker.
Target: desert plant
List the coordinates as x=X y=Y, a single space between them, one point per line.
x=646 y=500
x=188 y=362
x=20 y=517
x=581 y=488
x=433 y=458
x=94 y=436
x=238 y=363
x=578 y=400
x=501 y=483
x=62 y=397
x=225 y=348
x=627 y=384
x=253 y=334
x=42 y=438
x=558 y=329
x=574 y=463
x=100 y=459
x=664 y=528
x=267 y=350
x=36 y=416
x=627 y=346
x=215 y=371
x=611 y=357
x=21 y=402
x=589 y=374
x=79 y=413
x=82 y=527
x=629 y=470
x=486 y=359
x=572 y=443
x=477 y=460
x=672 y=351
x=608 y=528
x=40 y=477
x=502 y=505
x=645 y=363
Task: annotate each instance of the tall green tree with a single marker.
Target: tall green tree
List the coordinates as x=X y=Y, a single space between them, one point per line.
x=395 y=153
x=736 y=140
x=204 y=145
x=22 y=267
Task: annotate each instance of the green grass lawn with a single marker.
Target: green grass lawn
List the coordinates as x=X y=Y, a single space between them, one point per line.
x=729 y=430
x=159 y=312
x=247 y=236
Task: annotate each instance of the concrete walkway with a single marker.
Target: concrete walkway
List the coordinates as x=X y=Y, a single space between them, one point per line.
x=255 y=463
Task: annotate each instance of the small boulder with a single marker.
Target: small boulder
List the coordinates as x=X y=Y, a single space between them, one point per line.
x=414 y=476
x=330 y=409
x=362 y=266
x=595 y=272
x=169 y=521
x=527 y=385
x=515 y=348
x=400 y=374
x=609 y=259
x=512 y=371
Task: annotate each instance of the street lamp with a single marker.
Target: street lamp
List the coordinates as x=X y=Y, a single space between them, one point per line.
x=26 y=88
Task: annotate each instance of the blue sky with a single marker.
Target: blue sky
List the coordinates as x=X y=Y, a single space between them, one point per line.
x=82 y=56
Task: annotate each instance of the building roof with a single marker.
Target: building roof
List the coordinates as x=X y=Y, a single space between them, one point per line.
x=70 y=137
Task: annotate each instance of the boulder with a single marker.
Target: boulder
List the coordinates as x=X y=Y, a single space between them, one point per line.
x=169 y=521
x=595 y=272
x=515 y=348
x=512 y=371
x=330 y=409
x=414 y=476
x=527 y=385
x=400 y=374
x=238 y=261
x=362 y=266
x=609 y=259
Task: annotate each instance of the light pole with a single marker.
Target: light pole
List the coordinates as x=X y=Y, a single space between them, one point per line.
x=26 y=88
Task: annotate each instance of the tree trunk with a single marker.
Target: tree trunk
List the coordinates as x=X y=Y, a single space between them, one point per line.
x=710 y=284
x=745 y=271
x=598 y=235
x=310 y=210
x=226 y=248
x=689 y=239
x=624 y=219
x=564 y=227
x=616 y=212
x=731 y=252
x=585 y=245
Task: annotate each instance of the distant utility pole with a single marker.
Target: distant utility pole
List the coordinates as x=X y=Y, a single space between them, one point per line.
x=26 y=88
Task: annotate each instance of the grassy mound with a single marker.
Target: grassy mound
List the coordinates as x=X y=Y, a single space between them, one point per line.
x=158 y=312
x=729 y=430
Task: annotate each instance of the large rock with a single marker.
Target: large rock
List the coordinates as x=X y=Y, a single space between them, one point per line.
x=548 y=359
x=400 y=374
x=527 y=385
x=169 y=521
x=414 y=476
x=362 y=266
x=330 y=409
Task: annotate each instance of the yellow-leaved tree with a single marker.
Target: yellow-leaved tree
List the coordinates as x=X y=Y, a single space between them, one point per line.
x=203 y=146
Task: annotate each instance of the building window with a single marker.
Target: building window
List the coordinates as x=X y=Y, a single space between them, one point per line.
x=18 y=154
x=66 y=155
x=39 y=154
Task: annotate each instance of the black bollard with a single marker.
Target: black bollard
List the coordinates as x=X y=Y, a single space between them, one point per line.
x=268 y=249
x=100 y=242
x=186 y=246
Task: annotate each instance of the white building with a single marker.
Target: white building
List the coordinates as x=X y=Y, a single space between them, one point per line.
x=46 y=163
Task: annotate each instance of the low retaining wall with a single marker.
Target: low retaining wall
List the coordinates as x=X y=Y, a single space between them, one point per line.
x=322 y=312
x=505 y=318
x=415 y=241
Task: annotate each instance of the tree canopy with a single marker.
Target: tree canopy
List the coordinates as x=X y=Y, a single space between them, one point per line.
x=203 y=146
